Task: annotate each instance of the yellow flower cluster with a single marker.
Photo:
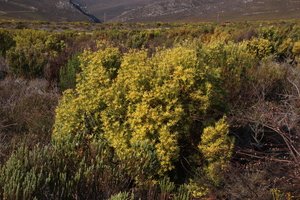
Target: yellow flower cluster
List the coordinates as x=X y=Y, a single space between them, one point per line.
x=296 y=48
x=196 y=190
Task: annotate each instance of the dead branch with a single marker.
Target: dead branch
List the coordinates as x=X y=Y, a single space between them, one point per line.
x=262 y=157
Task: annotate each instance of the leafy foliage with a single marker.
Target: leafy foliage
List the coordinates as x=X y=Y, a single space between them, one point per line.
x=121 y=196
x=61 y=172
x=67 y=75
x=6 y=42
x=32 y=51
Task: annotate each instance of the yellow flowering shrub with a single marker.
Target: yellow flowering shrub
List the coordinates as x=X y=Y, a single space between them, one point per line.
x=149 y=103
x=143 y=106
x=260 y=47
x=216 y=147
x=32 y=51
x=88 y=97
x=296 y=48
x=285 y=48
x=296 y=51
x=229 y=62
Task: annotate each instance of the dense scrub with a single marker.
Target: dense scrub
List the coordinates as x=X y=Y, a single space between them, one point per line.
x=152 y=112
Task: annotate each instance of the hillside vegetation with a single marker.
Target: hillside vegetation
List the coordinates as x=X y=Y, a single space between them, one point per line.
x=149 y=111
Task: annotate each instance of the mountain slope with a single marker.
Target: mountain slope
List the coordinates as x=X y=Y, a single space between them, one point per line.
x=111 y=9
x=151 y=10
x=213 y=10
x=38 y=10
x=62 y=10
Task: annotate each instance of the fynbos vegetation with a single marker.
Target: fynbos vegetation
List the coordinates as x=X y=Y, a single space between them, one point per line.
x=150 y=111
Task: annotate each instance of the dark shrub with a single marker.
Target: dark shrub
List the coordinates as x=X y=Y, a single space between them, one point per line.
x=6 y=42
x=67 y=74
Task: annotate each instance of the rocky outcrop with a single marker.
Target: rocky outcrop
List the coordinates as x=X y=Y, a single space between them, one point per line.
x=82 y=10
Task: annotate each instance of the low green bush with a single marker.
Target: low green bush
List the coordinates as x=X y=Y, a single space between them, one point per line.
x=32 y=52
x=137 y=39
x=61 y=172
x=229 y=62
x=122 y=196
x=67 y=74
x=6 y=41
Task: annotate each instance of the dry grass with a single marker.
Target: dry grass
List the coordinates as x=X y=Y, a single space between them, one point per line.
x=26 y=113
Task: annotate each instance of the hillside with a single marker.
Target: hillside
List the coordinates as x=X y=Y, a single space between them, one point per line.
x=213 y=10
x=38 y=10
x=61 y=10
x=111 y=9
x=153 y=10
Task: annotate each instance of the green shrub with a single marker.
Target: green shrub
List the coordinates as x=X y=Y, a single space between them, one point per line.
x=32 y=52
x=182 y=193
x=166 y=188
x=228 y=62
x=137 y=40
x=23 y=175
x=62 y=171
x=270 y=33
x=6 y=42
x=122 y=196
x=67 y=74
